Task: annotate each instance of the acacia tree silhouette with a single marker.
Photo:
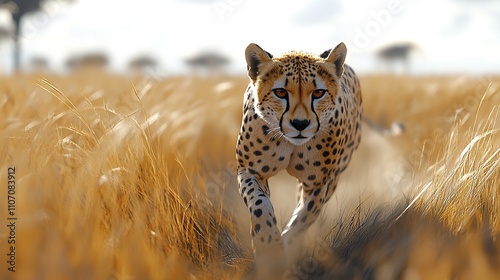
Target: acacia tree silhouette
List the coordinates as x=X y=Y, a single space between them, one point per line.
x=209 y=61
x=18 y=9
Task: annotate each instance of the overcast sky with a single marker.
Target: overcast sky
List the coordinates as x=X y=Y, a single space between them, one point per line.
x=453 y=35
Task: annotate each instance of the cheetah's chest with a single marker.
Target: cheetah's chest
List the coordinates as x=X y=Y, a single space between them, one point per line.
x=314 y=162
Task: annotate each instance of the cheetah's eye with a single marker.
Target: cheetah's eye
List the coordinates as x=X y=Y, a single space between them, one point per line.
x=280 y=92
x=317 y=94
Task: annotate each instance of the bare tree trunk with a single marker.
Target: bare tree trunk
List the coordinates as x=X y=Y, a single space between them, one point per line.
x=17 y=44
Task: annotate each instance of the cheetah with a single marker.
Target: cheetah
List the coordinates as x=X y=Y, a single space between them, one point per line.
x=302 y=113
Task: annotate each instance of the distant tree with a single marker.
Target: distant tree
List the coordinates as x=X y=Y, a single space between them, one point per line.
x=142 y=63
x=4 y=33
x=39 y=63
x=210 y=61
x=94 y=60
x=397 y=53
x=18 y=9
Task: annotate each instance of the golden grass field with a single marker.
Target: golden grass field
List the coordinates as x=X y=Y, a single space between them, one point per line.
x=135 y=178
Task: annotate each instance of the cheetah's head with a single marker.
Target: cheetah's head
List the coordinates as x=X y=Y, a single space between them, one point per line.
x=295 y=93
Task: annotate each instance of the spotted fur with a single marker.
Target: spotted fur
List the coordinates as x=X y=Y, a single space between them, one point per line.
x=302 y=113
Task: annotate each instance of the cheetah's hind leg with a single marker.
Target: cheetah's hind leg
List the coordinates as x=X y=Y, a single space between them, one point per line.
x=396 y=129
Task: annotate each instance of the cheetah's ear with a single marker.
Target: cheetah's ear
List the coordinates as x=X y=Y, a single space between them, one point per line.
x=337 y=57
x=255 y=56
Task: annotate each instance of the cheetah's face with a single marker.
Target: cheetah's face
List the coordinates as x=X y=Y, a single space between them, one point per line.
x=296 y=92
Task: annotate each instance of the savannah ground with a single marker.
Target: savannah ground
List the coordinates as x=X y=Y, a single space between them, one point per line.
x=135 y=178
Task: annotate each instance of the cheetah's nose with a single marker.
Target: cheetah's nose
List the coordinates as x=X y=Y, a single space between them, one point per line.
x=300 y=124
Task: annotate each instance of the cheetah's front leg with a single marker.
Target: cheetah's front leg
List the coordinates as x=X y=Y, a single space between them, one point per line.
x=309 y=205
x=266 y=237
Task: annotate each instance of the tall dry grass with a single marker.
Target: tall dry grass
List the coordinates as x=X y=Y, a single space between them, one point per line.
x=127 y=177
